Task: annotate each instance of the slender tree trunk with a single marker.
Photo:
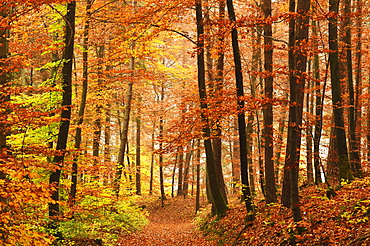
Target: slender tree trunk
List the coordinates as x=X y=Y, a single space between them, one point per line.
x=126 y=120
x=298 y=37
x=124 y=136
x=186 y=171
x=81 y=111
x=260 y=155
x=173 y=176
x=54 y=178
x=343 y=161
x=267 y=111
x=160 y=159
x=256 y=56
x=358 y=75
x=138 y=153
x=152 y=163
x=180 y=190
x=247 y=196
x=188 y=156
x=97 y=122
x=217 y=92
x=215 y=188
x=197 y=194
x=309 y=111
x=355 y=161
x=318 y=108
x=4 y=98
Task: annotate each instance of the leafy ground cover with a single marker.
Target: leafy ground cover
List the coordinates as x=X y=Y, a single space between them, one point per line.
x=341 y=220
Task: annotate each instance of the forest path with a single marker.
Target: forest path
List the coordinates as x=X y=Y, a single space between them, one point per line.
x=172 y=224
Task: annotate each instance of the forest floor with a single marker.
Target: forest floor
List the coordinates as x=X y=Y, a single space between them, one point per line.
x=173 y=224
x=340 y=220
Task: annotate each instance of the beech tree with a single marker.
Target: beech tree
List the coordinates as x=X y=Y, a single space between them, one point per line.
x=247 y=196
x=217 y=198
x=298 y=37
x=54 y=207
x=340 y=134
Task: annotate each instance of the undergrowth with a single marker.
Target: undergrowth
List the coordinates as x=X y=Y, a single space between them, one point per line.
x=100 y=220
x=341 y=220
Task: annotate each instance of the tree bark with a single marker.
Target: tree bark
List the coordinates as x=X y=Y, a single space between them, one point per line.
x=81 y=111
x=4 y=98
x=54 y=178
x=97 y=122
x=354 y=154
x=215 y=188
x=319 y=107
x=180 y=190
x=247 y=196
x=138 y=153
x=124 y=135
x=160 y=159
x=267 y=110
x=343 y=161
x=298 y=37
x=197 y=194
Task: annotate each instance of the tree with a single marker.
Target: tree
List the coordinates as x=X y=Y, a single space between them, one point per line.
x=341 y=140
x=81 y=110
x=247 y=196
x=218 y=200
x=4 y=98
x=355 y=161
x=267 y=112
x=54 y=208
x=298 y=37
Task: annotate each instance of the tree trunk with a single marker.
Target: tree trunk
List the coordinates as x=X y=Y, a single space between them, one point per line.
x=54 y=178
x=4 y=98
x=197 y=194
x=355 y=161
x=173 y=176
x=343 y=161
x=152 y=164
x=97 y=122
x=215 y=188
x=81 y=111
x=124 y=135
x=188 y=156
x=319 y=107
x=309 y=111
x=358 y=75
x=298 y=37
x=160 y=159
x=267 y=110
x=247 y=196
x=138 y=153
x=180 y=190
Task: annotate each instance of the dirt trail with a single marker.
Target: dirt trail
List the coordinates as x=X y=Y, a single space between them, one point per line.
x=172 y=224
